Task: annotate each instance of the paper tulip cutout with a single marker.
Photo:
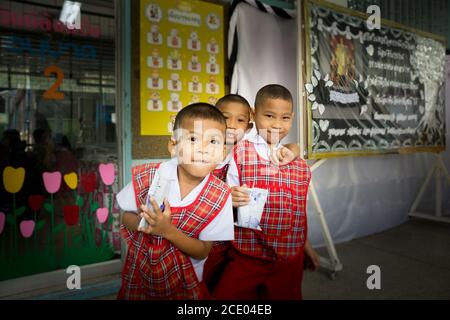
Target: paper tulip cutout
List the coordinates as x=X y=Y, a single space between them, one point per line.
x=27 y=228
x=102 y=214
x=13 y=179
x=88 y=181
x=71 y=214
x=107 y=173
x=52 y=181
x=71 y=180
x=35 y=202
x=2 y=221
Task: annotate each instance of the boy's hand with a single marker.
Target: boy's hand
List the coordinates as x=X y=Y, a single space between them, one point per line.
x=282 y=156
x=312 y=257
x=160 y=223
x=240 y=196
x=285 y=154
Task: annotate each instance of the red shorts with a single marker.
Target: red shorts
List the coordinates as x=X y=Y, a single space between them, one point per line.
x=214 y=265
x=250 y=278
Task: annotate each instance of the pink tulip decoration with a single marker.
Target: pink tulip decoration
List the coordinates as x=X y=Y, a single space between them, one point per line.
x=27 y=228
x=102 y=215
x=2 y=221
x=107 y=173
x=52 y=181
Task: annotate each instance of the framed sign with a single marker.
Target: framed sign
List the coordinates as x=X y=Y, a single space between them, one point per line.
x=370 y=91
x=181 y=58
x=178 y=57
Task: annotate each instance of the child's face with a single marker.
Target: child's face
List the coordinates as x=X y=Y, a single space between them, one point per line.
x=199 y=146
x=238 y=120
x=273 y=119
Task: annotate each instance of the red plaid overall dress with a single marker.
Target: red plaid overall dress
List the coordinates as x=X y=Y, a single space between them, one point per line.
x=283 y=221
x=217 y=256
x=154 y=268
x=222 y=172
x=219 y=247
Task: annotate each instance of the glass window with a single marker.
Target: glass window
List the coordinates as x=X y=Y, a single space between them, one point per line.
x=58 y=139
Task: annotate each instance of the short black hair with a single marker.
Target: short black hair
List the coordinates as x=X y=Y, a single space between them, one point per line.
x=199 y=110
x=272 y=91
x=232 y=98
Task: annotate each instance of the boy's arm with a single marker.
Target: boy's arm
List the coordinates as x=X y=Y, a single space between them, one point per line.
x=311 y=257
x=239 y=196
x=160 y=224
x=194 y=248
x=131 y=220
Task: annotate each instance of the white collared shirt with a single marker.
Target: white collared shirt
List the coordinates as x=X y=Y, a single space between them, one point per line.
x=261 y=147
x=221 y=228
x=226 y=161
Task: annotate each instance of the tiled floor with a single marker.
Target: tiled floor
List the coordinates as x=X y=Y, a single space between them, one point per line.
x=414 y=260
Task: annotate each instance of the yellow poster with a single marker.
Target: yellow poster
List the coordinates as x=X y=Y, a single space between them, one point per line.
x=181 y=59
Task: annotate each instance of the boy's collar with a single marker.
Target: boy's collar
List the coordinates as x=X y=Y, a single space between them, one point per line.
x=258 y=139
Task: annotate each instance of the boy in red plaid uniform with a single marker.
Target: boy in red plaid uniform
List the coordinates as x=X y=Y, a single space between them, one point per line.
x=165 y=259
x=238 y=114
x=267 y=262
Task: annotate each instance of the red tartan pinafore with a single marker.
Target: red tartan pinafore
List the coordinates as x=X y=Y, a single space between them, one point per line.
x=221 y=173
x=154 y=268
x=283 y=221
x=216 y=257
x=219 y=247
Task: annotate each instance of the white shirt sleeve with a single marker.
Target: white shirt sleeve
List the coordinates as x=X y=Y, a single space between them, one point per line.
x=233 y=174
x=222 y=226
x=126 y=198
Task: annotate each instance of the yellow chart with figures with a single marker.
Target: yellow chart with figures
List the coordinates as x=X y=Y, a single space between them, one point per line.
x=181 y=59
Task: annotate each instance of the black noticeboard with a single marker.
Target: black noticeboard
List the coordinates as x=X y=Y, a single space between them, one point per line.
x=370 y=91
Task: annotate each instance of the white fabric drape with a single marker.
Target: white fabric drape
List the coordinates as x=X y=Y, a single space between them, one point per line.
x=359 y=195
x=266 y=54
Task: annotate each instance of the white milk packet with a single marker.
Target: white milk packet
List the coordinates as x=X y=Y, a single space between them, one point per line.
x=250 y=215
x=158 y=191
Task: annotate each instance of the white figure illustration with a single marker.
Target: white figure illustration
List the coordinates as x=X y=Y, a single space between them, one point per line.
x=174 y=61
x=173 y=40
x=195 y=86
x=194 y=65
x=212 y=87
x=174 y=105
x=174 y=83
x=154 y=36
x=211 y=66
x=155 y=82
x=155 y=61
x=193 y=42
x=154 y=104
x=212 y=46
